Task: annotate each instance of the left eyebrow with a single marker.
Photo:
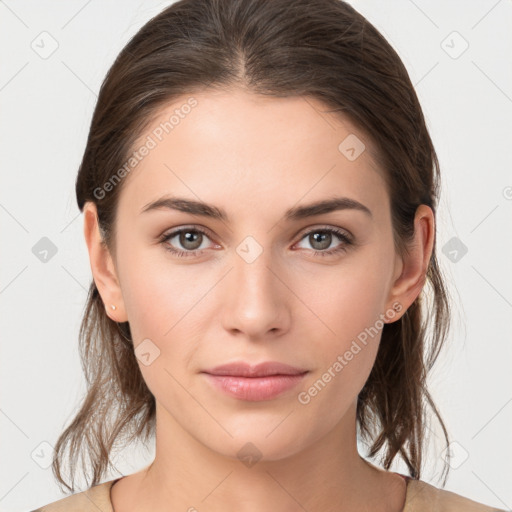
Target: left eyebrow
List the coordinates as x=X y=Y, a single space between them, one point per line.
x=326 y=206
x=293 y=214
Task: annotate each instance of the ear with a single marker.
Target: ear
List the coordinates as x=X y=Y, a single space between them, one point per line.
x=411 y=270
x=102 y=266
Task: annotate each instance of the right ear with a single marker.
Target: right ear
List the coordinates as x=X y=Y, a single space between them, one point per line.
x=102 y=266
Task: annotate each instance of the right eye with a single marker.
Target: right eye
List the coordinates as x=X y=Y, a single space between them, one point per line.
x=191 y=239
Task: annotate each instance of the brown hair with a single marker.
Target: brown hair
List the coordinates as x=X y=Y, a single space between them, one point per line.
x=323 y=49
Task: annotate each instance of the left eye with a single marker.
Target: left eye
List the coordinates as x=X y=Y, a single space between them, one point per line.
x=323 y=237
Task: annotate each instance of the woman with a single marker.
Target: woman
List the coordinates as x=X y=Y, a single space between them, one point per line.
x=259 y=192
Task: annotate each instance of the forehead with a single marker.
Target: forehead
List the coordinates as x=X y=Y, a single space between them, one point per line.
x=223 y=146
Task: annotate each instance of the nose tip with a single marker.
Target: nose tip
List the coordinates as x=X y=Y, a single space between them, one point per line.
x=257 y=299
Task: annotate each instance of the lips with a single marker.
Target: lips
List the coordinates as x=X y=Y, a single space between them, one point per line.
x=264 y=381
x=243 y=369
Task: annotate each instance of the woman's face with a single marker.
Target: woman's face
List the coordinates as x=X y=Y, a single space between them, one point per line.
x=249 y=286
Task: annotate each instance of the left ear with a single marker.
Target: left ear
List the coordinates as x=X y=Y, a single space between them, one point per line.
x=411 y=270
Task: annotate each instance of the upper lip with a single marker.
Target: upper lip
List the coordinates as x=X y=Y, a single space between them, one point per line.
x=243 y=369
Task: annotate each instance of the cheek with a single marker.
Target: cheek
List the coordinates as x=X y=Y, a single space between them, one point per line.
x=165 y=303
x=345 y=327
x=345 y=353
x=349 y=346
x=161 y=312
x=345 y=300
x=156 y=291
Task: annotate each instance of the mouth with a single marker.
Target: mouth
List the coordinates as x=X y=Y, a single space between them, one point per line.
x=264 y=381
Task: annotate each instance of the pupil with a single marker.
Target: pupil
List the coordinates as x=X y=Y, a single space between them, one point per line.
x=189 y=240
x=323 y=237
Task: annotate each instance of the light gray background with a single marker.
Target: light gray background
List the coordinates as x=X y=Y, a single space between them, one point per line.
x=46 y=107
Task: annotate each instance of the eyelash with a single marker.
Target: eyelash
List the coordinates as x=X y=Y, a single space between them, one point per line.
x=347 y=241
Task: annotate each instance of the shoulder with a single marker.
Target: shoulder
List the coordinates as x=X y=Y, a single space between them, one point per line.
x=93 y=499
x=420 y=497
x=424 y=497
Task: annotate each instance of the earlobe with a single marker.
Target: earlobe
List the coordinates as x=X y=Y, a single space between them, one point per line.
x=102 y=266
x=409 y=283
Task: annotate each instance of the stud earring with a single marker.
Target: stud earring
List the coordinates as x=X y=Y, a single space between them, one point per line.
x=113 y=307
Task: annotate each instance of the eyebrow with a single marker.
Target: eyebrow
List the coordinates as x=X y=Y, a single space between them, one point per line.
x=293 y=214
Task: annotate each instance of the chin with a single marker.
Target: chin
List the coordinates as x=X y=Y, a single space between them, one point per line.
x=262 y=441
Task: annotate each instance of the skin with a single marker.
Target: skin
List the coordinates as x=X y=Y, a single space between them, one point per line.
x=288 y=305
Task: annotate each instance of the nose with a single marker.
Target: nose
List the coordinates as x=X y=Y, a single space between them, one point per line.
x=257 y=301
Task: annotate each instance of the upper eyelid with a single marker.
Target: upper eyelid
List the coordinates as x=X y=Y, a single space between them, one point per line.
x=326 y=228
x=173 y=232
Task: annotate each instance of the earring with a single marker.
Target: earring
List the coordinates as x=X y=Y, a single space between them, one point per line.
x=113 y=307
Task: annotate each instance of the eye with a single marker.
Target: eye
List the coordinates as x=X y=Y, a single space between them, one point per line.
x=322 y=238
x=191 y=239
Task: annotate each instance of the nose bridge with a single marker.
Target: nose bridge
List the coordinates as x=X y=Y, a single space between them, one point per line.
x=252 y=274
x=257 y=298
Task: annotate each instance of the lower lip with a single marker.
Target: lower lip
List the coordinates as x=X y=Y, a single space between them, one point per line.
x=255 y=389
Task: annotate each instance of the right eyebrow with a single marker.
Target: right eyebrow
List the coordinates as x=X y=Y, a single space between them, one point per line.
x=186 y=206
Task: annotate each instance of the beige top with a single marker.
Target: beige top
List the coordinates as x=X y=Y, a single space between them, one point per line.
x=420 y=497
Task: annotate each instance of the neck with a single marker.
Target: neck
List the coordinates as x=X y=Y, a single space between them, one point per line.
x=328 y=475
